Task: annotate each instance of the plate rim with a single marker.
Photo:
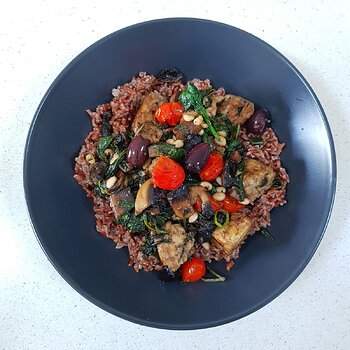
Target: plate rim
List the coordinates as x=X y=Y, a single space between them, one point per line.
x=138 y=320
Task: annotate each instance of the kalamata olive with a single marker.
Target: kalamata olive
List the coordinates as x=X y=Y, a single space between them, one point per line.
x=169 y=75
x=197 y=158
x=137 y=153
x=204 y=230
x=257 y=122
x=106 y=126
x=228 y=173
x=166 y=275
x=191 y=141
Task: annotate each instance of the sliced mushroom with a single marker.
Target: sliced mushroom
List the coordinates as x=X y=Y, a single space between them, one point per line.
x=179 y=200
x=97 y=171
x=145 y=197
x=199 y=192
x=118 y=200
x=147 y=109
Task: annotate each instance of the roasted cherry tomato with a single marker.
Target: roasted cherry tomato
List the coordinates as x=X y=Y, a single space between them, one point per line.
x=213 y=168
x=169 y=113
x=167 y=174
x=231 y=204
x=216 y=205
x=198 y=205
x=193 y=270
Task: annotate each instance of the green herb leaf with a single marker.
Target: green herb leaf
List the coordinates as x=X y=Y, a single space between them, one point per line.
x=218 y=221
x=257 y=141
x=101 y=189
x=149 y=247
x=191 y=97
x=216 y=278
x=169 y=151
x=132 y=223
x=102 y=145
x=126 y=204
x=229 y=125
x=113 y=167
x=266 y=233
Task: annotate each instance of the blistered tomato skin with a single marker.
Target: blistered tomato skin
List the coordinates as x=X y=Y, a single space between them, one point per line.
x=197 y=158
x=193 y=270
x=212 y=168
x=137 y=153
x=167 y=174
x=169 y=113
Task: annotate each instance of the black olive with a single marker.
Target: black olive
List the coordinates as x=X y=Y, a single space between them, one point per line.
x=192 y=141
x=256 y=124
x=197 y=158
x=228 y=173
x=166 y=275
x=106 y=126
x=169 y=75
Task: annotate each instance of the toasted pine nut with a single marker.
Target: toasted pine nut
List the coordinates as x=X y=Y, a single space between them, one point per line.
x=207 y=185
x=90 y=158
x=174 y=137
x=221 y=142
x=198 y=120
x=222 y=133
x=108 y=152
x=111 y=181
x=245 y=202
x=188 y=117
x=114 y=158
x=218 y=180
x=201 y=132
x=170 y=141
x=193 y=218
x=204 y=126
x=219 y=196
x=206 y=245
x=179 y=143
x=221 y=189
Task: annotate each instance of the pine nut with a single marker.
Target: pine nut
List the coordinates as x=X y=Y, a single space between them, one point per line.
x=111 y=182
x=222 y=133
x=201 y=132
x=206 y=185
x=198 y=120
x=188 y=117
x=221 y=189
x=245 y=202
x=204 y=126
x=218 y=180
x=174 y=137
x=90 y=158
x=193 y=218
x=219 y=196
x=179 y=143
x=114 y=158
x=108 y=152
x=206 y=245
x=221 y=142
x=170 y=141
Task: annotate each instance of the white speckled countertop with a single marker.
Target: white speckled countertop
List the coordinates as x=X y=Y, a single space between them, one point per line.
x=38 y=309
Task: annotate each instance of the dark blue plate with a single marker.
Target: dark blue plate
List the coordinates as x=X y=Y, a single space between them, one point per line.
x=62 y=215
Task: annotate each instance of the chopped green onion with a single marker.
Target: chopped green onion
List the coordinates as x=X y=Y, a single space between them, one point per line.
x=218 y=278
x=216 y=219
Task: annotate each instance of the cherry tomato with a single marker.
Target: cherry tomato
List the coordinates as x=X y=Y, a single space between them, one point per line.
x=213 y=168
x=193 y=270
x=231 y=204
x=216 y=205
x=198 y=205
x=169 y=113
x=167 y=174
